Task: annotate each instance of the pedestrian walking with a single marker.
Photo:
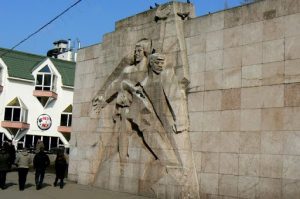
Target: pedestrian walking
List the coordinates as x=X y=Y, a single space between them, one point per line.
x=40 y=163
x=12 y=152
x=23 y=161
x=60 y=169
x=39 y=145
x=4 y=165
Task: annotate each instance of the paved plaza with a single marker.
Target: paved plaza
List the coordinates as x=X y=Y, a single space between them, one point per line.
x=70 y=190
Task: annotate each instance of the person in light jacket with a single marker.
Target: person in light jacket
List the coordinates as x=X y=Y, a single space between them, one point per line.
x=23 y=161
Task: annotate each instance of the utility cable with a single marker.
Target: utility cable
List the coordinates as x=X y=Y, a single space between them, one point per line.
x=41 y=28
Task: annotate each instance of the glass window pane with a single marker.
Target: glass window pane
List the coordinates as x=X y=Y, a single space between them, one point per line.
x=38 y=88
x=70 y=120
x=28 y=142
x=46 y=142
x=16 y=114
x=63 y=120
x=46 y=88
x=8 y=114
x=47 y=80
x=53 y=142
x=39 y=80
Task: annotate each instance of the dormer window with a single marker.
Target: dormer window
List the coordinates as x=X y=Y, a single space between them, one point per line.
x=66 y=122
x=15 y=111
x=66 y=117
x=45 y=80
x=15 y=116
x=45 y=86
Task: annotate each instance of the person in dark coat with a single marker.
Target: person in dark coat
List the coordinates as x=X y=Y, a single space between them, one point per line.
x=12 y=152
x=4 y=165
x=40 y=162
x=60 y=169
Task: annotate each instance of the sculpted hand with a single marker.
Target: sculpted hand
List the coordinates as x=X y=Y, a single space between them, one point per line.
x=98 y=103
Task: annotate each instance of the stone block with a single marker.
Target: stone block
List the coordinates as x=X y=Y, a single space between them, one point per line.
x=213 y=80
x=272 y=96
x=292 y=48
x=212 y=100
x=292 y=26
x=271 y=166
x=252 y=75
x=196 y=63
x=252 y=54
x=232 y=57
x=250 y=142
x=233 y=17
x=273 y=29
x=272 y=142
x=232 y=78
x=273 y=73
x=196 y=119
x=290 y=189
x=251 y=119
x=228 y=185
x=291 y=145
x=210 y=162
x=270 y=188
x=291 y=169
x=197 y=160
x=233 y=37
x=231 y=99
x=214 y=40
x=229 y=142
x=229 y=163
x=248 y=187
x=292 y=118
x=195 y=101
x=230 y=120
x=252 y=33
x=210 y=141
x=214 y=60
x=273 y=51
x=212 y=117
x=273 y=119
x=197 y=82
x=209 y=183
x=196 y=140
x=252 y=12
x=196 y=44
x=292 y=71
x=292 y=94
x=249 y=164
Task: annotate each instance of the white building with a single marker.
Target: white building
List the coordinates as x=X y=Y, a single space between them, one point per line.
x=36 y=99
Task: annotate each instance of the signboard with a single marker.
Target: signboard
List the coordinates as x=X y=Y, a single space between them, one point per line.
x=44 y=122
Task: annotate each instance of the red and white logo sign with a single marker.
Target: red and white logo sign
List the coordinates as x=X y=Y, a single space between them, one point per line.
x=44 y=122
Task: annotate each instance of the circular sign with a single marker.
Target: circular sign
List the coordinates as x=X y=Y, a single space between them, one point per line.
x=44 y=122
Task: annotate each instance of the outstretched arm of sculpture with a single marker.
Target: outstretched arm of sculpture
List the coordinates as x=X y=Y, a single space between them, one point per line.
x=129 y=86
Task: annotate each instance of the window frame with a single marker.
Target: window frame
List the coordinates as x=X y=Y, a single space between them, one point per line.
x=42 y=86
x=22 y=117
x=69 y=121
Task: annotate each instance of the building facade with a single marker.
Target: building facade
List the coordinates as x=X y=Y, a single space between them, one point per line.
x=36 y=99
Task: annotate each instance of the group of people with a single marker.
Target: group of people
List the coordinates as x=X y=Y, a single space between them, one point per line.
x=23 y=160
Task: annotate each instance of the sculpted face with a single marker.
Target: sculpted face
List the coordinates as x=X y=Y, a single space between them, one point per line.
x=139 y=53
x=157 y=62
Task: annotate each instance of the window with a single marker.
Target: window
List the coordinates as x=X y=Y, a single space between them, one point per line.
x=45 y=80
x=66 y=117
x=15 y=111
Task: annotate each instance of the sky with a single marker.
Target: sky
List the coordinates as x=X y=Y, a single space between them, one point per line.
x=87 y=22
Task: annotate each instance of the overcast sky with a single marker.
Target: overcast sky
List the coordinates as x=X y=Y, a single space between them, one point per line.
x=88 y=21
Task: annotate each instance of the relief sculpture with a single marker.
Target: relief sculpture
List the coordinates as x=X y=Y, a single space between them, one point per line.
x=149 y=101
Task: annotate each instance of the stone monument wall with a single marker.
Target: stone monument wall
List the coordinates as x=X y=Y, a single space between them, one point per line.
x=239 y=71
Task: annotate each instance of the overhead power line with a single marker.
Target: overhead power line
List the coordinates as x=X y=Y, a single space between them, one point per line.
x=41 y=28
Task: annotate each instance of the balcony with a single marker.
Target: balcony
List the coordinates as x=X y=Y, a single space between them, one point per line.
x=64 y=129
x=15 y=125
x=48 y=94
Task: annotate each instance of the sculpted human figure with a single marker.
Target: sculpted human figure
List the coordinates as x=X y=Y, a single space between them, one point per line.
x=134 y=74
